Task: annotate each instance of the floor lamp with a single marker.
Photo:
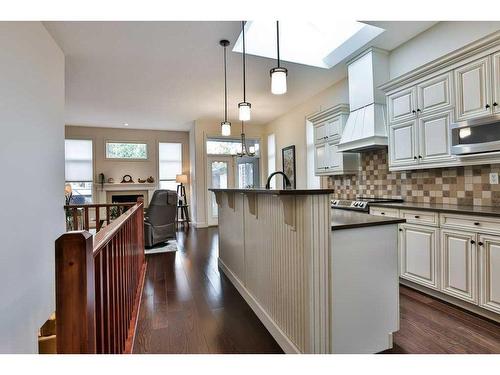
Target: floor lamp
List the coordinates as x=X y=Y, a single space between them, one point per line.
x=182 y=204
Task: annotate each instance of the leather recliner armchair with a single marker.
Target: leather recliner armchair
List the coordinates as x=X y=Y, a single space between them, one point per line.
x=159 y=222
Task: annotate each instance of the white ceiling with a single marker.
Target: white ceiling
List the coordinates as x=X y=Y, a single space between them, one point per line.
x=165 y=75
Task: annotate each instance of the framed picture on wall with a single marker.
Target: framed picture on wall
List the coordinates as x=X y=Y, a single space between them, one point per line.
x=288 y=160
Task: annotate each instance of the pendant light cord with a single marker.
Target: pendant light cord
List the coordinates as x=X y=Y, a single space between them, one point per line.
x=278 y=41
x=244 y=75
x=225 y=86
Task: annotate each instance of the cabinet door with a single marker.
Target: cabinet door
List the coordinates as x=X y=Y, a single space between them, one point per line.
x=435 y=94
x=402 y=105
x=334 y=158
x=320 y=158
x=496 y=82
x=490 y=272
x=402 y=144
x=320 y=133
x=334 y=128
x=418 y=254
x=459 y=264
x=434 y=140
x=472 y=87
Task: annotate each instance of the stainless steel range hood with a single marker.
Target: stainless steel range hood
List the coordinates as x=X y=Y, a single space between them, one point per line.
x=366 y=127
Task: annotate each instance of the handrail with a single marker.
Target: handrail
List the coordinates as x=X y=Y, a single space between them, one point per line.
x=99 y=282
x=72 y=213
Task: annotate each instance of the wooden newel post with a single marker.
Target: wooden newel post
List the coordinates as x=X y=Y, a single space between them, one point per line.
x=75 y=293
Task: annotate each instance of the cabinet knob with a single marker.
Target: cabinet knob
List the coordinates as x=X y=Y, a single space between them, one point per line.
x=495 y=104
x=476 y=223
x=413 y=111
x=382 y=213
x=400 y=230
x=420 y=156
x=415 y=157
x=472 y=242
x=487 y=106
x=480 y=243
x=417 y=216
x=418 y=109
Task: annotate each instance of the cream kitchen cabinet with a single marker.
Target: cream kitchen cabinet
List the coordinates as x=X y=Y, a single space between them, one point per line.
x=320 y=133
x=489 y=272
x=402 y=144
x=459 y=264
x=473 y=89
x=428 y=96
x=496 y=82
x=320 y=160
x=418 y=246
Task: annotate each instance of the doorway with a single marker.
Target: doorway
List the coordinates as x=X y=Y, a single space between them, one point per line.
x=220 y=175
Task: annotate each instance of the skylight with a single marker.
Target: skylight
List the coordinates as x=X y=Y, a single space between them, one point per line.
x=317 y=43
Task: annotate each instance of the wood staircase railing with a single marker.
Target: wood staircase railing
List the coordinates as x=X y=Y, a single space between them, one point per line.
x=99 y=281
x=78 y=215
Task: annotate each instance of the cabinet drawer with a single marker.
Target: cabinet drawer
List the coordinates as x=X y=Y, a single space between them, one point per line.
x=381 y=211
x=477 y=223
x=420 y=217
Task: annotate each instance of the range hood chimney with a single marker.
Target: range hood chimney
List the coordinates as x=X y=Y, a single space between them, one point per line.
x=366 y=126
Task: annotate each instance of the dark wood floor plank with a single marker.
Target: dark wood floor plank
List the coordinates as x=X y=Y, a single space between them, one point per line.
x=189 y=306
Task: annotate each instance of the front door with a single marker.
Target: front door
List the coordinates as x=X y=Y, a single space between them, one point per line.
x=220 y=175
x=247 y=172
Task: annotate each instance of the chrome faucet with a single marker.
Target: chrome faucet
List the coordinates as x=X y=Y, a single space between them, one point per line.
x=287 y=182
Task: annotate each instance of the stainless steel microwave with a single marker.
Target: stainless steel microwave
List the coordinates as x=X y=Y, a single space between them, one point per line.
x=476 y=136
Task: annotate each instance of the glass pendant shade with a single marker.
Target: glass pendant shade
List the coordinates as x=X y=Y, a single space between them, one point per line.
x=244 y=109
x=225 y=128
x=278 y=80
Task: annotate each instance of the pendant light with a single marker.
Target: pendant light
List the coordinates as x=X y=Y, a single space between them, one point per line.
x=245 y=151
x=278 y=74
x=244 y=107
x=225 y=125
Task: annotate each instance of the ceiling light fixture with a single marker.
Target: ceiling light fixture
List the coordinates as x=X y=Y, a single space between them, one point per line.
x=225 y=125
x=244 y=107
x=278 y=74
x=245 y=151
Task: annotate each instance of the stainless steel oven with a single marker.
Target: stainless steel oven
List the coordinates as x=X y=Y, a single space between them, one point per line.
x=476 y=136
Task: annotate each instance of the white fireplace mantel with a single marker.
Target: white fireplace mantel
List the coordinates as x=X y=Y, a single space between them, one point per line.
x=102 y=190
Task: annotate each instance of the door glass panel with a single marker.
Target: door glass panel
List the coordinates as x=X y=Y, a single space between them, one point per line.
x=245 y=175
x=219 y=171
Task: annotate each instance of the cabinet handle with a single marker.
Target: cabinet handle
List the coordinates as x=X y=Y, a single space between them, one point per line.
x=413 y=111
x=480 y=243
x=420 y=156
x=400 y=230
x=472 y=242
x=415 y=157
x=495 y=104
x=487 y=106
x=382 y=213
x=417 y=217
x=476 y=223
x=418 y=109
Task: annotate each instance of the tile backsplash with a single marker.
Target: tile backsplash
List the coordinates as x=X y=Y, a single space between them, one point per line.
x=456 y=185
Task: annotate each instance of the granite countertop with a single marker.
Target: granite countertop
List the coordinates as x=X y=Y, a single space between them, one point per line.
x=277 y=191
x=345 y=219
x=449 y=208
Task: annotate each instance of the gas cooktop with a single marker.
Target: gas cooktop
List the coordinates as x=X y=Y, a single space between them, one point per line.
x=361 y=203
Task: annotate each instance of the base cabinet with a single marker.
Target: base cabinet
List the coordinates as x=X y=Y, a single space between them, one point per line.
x=490 y=272
x=459 y=264
x=418 y=254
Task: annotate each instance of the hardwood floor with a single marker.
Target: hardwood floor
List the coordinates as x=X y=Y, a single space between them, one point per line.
x=188 y=306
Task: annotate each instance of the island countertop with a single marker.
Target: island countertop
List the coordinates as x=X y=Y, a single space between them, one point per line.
x=276 y=191
x=343 y=219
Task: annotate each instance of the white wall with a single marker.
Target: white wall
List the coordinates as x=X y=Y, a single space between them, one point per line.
x=32 y=167
x=290 y=128
x=440 y=39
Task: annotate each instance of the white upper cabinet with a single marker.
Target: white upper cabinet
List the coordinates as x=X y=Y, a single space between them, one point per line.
x=320 y=133
x=473 y=89
x=320 y=158
x=402 y=144
x=496 y=82
x=402 y=105
x=334 y=157
x=459 y=264
x=334 y=128
x=433 y=138
x=435 y=94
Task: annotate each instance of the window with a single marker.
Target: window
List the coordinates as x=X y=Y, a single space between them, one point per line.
x=78 y=169
x=170 y=164
x=217 y=146
x=126 y=150
x=271 y=157
x=313 y=181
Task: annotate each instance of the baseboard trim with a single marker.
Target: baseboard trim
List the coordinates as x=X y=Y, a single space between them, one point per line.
x=199 y=225
x=452 y=300
x=280 y=337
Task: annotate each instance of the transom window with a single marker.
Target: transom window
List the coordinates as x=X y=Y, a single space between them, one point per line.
x=216 y=146
x=126 y=150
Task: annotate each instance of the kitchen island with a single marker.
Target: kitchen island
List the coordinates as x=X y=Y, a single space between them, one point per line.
x=320 y=280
